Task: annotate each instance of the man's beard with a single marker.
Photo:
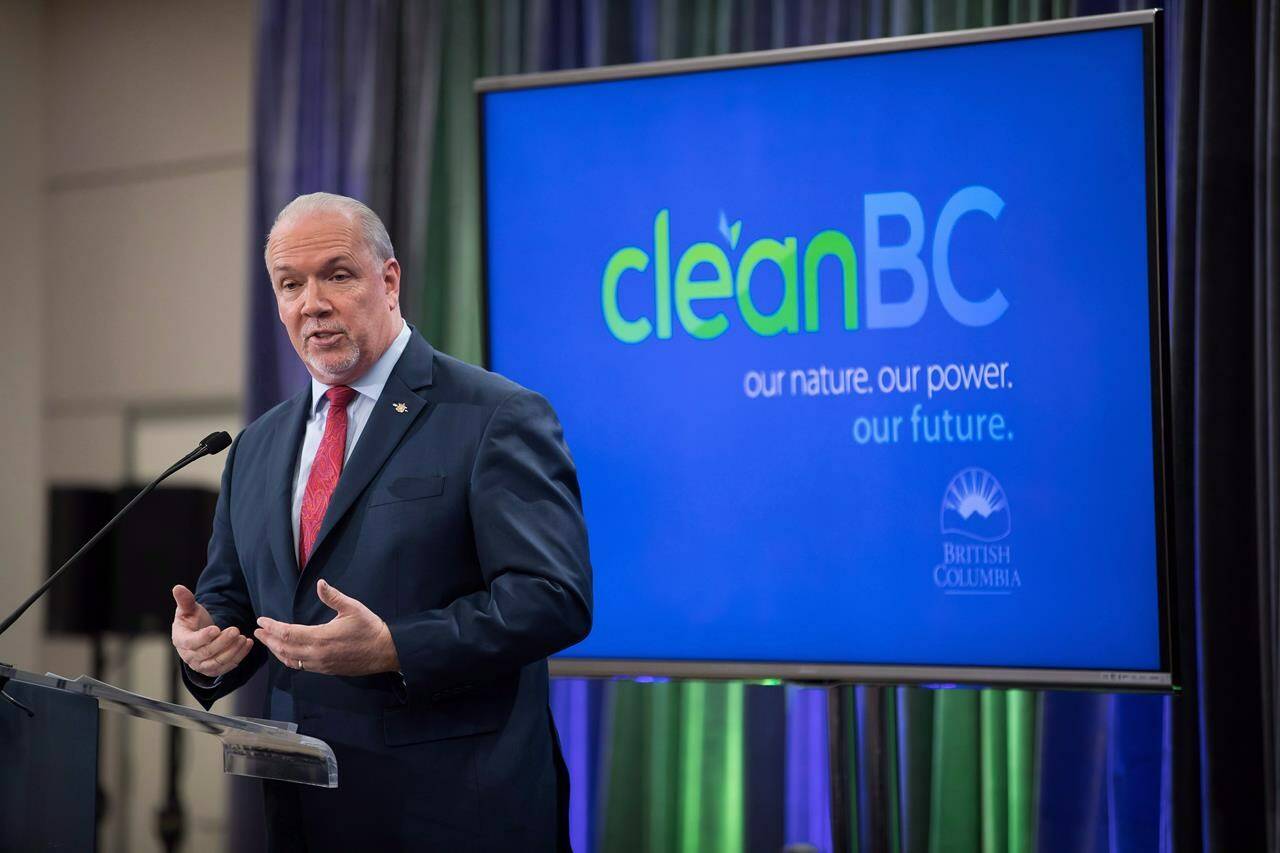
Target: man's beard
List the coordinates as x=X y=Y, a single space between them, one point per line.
x=335 y=369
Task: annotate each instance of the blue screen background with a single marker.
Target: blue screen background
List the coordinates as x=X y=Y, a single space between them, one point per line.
x=729 y=528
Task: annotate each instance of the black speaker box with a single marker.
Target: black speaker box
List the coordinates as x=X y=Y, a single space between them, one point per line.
x=122 y=584
x=74 y=604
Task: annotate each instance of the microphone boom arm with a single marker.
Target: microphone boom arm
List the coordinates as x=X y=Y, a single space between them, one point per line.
x=209 y=445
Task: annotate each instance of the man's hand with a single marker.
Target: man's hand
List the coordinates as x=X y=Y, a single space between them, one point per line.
x=202 y=645
x=355 y=642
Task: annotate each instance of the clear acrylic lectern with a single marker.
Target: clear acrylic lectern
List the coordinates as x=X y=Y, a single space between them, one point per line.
x=263 y=748
x=49 y=739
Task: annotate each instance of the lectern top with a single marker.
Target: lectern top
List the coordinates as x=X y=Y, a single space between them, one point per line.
x=264 y=749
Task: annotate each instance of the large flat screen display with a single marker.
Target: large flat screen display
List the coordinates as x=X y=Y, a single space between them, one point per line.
x=858 y=351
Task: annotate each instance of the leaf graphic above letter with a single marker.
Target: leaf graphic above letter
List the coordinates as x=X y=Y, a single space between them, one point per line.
x=730 y=232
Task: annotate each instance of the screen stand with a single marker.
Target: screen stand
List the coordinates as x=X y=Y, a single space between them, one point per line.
x=871 y=754
x=839 y=722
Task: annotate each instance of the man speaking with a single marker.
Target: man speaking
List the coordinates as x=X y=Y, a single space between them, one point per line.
x=402 y=545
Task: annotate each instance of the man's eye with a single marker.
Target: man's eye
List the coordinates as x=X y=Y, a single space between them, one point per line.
x=341 y=276
x=288 y=285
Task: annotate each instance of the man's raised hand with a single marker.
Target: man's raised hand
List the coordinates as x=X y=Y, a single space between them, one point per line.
x=202 y=645
x=355 y=642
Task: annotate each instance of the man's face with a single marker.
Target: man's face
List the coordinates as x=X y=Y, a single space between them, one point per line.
x=340 y=306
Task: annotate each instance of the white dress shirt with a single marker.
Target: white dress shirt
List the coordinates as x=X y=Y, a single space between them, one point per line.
x=368 y=389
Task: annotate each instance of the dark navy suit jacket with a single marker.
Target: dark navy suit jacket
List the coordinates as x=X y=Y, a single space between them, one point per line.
x=459 y=522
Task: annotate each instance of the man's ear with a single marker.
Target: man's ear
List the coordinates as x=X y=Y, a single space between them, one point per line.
x=391 y=280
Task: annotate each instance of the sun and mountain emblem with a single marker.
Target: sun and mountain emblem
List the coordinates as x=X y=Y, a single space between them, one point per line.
x=400 y=407
x=975 y=506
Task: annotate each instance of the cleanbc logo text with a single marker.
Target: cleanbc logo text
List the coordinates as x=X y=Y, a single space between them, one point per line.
x=704 y=273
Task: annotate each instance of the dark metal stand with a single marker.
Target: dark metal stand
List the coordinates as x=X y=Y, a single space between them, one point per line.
x=874 y=762
x=171 y=824
x=839 y=723
x=874 y=778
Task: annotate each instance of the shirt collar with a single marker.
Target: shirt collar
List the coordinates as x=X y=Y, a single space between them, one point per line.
x=375 y=378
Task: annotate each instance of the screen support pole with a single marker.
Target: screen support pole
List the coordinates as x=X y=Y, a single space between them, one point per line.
x=839 y=724
x=869 y=758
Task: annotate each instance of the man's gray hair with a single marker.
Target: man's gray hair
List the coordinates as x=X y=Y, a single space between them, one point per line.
x=372 y=232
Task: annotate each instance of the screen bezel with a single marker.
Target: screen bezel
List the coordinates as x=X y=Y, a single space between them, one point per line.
x=1166 y=677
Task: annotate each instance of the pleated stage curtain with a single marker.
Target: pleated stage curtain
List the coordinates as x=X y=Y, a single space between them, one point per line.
x=373 y=98
x=675 y=768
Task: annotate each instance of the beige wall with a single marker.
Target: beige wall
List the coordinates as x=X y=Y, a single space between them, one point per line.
x=123 y=217
x=21 y=213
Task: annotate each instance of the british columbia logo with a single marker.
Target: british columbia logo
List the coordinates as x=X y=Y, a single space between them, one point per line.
x=976 y=523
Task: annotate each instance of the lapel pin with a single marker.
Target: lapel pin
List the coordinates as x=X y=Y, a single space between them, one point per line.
x=400 y=407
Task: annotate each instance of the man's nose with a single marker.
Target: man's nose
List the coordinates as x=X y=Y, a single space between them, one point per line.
x=313 y=300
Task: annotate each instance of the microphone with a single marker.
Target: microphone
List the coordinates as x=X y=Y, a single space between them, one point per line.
x=213 y=443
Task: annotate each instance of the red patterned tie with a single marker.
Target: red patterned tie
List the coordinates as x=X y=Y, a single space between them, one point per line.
x=325 y=470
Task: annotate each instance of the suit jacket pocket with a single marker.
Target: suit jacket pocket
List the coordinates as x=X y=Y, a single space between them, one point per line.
x=408 y=489
x=443 y=720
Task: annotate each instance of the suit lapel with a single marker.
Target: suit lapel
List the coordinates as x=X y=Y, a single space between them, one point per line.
x=394 y=412
x=282 y=467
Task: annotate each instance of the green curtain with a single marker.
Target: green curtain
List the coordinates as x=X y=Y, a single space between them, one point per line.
x=983 y=771
x=675 y=767
x=959 y=764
